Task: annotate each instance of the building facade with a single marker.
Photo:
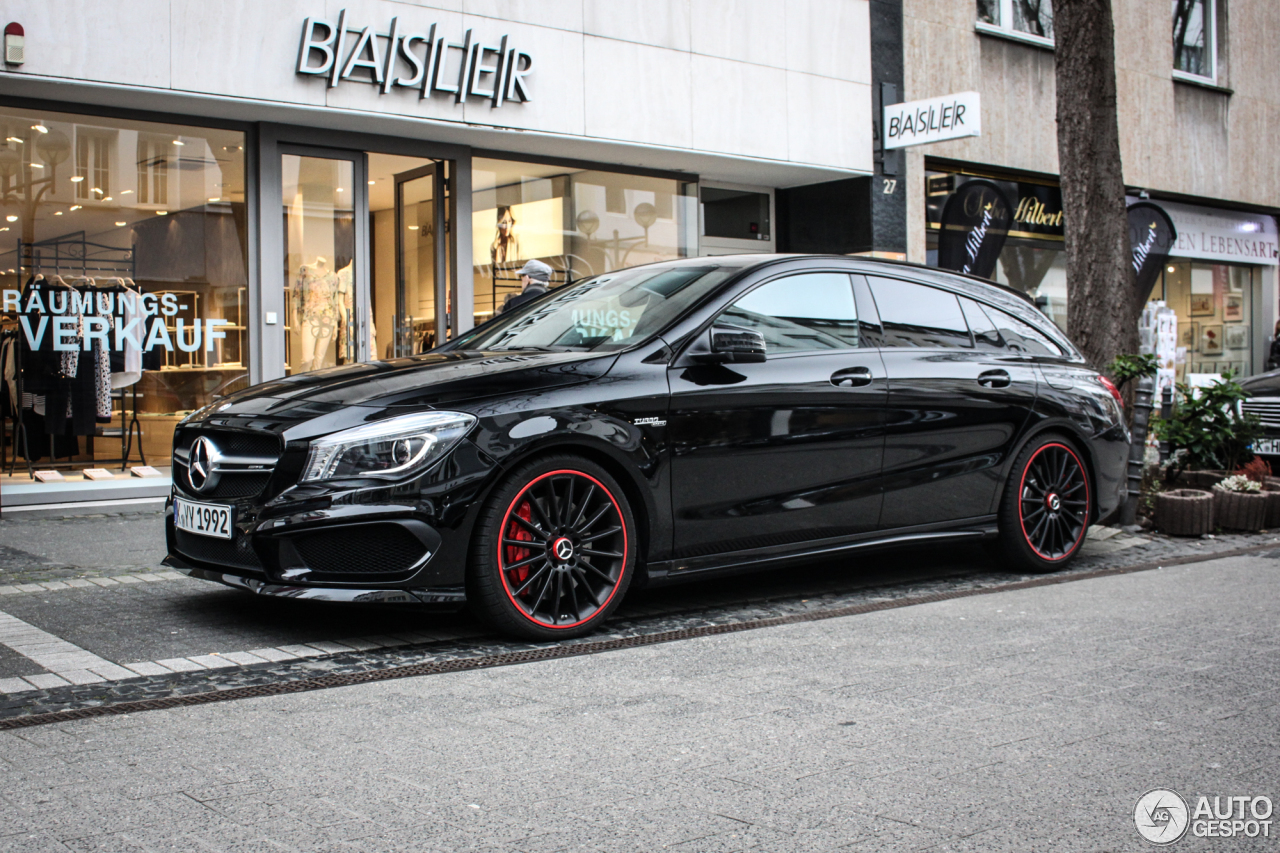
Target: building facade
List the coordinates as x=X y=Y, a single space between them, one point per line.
x=252 y=190
x=1198 y=100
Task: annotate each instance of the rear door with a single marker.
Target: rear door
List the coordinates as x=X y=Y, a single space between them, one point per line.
x=786 y=450
x=958 y=400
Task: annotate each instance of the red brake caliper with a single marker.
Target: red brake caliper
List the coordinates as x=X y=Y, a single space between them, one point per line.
x=515 y=554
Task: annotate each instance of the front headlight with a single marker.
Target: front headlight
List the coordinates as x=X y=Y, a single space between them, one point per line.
x=394 y=449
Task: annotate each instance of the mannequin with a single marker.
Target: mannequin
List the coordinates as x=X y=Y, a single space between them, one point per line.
x=318 y=307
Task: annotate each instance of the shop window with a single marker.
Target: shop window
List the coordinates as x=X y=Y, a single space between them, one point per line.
x=579 y=221
x=735 y=214
x=174 y=280
x=1195 y=39
x=1029 y=20
x=1214 y=308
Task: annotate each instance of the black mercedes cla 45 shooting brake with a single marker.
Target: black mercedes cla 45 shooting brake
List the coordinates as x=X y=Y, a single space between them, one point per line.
x=677 y=420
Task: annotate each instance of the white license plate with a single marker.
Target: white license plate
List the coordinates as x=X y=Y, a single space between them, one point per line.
x=202 y=519
x=1267 y=445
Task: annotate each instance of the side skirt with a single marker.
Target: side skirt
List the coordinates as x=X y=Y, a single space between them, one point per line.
x=673 y=571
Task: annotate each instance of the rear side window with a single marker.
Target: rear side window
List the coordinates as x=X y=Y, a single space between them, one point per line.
x=915 y=315
x=800 y=313
x=985 y=334
x=1020 y=336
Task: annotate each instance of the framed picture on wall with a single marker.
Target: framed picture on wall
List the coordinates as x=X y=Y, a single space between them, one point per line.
x=1211 y=340
x=1236 y=335
x=1201 y=305
x=1188 y=335
x=1233 y=307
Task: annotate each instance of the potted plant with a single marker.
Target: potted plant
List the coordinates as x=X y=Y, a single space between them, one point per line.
x=1208 y=433
x=1240 y=504
x=1184 y=512
x=1257 y=470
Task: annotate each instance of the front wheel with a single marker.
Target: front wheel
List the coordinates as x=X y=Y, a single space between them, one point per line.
x=554 y=550
x=1046 y=507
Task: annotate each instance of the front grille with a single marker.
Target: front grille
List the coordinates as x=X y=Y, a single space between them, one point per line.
x=366 y=549
x=223 y=552
x=234 y=443
x=231 y=486
x=1268 y=410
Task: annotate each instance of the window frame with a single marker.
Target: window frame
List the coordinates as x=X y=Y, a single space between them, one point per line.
x=1211 y=48
x=1005 y=28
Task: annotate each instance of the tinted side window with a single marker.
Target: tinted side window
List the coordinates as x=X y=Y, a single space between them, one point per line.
x=985 y=334
x=914 y=315
x=1022 y=337
x=800 y=313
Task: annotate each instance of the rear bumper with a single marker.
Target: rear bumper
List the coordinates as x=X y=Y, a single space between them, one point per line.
x=445 y=599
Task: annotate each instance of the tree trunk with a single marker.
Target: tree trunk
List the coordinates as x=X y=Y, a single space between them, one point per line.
x=1103 y=309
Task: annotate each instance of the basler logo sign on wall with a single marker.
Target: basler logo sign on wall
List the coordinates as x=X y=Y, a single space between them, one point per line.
x=932 y=120
x=426 y=60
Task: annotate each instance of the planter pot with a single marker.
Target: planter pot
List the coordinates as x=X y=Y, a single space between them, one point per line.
x=1273 y=504
x=1184 y=512
x=1205 y=480
x=1240 y=510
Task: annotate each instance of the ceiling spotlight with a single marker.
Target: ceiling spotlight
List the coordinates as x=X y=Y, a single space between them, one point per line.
x=108 y=198
x=178 y=142
x=16 y=139
x=413 y=227
x=1171 y=269
x=216 y=198
x=121 y=224
x=76 y=206
x=97 y=190
x=340 y=189
x=125 y=192
x=39 y=128
x=6 y=228
x=11 y=218
x=162 y=213
x=75 y=179
x=57 y=213
x=37 y=165
x=371 y=183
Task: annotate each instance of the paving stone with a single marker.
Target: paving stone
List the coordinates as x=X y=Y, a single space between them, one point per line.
x=147 y=668
x=80 y=676
x=212 y=661
x=14 y=685
x=243 y=658
x=45 y=680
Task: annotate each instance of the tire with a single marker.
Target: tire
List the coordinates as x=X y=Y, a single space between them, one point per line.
x=1045 y=510
x=580 y=558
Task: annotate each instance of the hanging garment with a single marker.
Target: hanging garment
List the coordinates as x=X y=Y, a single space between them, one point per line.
x=128 y=309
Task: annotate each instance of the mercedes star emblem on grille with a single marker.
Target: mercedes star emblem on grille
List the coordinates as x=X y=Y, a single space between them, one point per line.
x=202 y=468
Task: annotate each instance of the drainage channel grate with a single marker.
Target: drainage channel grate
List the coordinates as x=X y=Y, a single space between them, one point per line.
x=576 y=649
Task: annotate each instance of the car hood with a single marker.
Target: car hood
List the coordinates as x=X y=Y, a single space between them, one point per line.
x=422 y=381
x=1263 y=385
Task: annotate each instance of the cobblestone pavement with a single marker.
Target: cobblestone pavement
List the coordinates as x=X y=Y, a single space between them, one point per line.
x=1022 y=720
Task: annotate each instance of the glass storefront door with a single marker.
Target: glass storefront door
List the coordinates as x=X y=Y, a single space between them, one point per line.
x=320 y=213
x=420 y=278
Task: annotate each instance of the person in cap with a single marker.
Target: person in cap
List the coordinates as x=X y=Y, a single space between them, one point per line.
x=535 y=280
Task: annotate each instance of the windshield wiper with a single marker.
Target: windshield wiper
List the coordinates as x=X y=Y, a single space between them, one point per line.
x=536 y=349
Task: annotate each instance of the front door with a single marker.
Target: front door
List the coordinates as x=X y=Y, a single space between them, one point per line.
x=421 y=279
x=325 y=273
x=788 y=449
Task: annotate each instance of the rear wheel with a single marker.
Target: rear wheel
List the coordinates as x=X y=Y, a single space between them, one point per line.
x=1046 y=507
x=554 y=550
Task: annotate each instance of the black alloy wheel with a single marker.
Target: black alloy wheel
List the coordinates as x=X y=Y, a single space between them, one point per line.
x=1046 y=507
x=554 y=550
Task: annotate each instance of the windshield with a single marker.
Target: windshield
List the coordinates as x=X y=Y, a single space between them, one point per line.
x=609 y=311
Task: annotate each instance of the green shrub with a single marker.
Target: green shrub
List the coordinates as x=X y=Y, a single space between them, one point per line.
x=1209 y=427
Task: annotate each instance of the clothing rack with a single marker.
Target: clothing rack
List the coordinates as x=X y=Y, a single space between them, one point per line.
x=19 y=426
x=73 y=255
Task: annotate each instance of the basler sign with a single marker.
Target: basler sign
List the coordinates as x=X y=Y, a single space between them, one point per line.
x=932 y=120
x=425 y=60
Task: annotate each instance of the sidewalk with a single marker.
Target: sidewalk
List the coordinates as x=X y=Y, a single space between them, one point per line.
x=1021 y=720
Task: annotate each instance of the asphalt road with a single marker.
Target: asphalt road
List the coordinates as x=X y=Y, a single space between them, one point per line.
x=1020 y=720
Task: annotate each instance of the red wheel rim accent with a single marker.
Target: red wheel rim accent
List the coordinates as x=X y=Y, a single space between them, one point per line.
x=563 y=549
x=1053 y=502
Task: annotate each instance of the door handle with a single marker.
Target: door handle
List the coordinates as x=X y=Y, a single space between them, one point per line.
x=852 y=377
x=994 y=378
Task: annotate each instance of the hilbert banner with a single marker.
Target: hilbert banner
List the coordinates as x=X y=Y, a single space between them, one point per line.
x=1151 y=237
x=70 y=320
x=975 y=223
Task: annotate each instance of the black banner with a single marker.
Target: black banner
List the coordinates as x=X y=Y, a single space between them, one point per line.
x=1151 y=237
x=975 y=223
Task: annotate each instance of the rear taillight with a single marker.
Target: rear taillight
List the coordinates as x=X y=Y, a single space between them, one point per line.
x=1115 y=392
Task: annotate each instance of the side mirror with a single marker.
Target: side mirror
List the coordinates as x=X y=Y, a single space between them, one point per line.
x=734 y=344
